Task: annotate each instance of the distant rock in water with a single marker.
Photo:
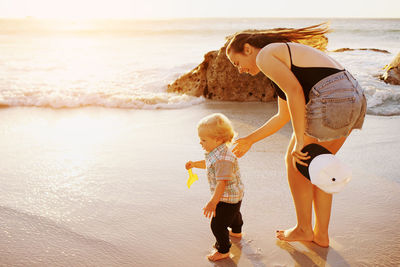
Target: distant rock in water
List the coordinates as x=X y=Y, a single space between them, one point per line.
x=216 y=78
x=364 y=49
x=392 y=73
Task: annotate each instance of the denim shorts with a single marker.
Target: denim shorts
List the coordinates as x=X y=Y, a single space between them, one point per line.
x=336 y=106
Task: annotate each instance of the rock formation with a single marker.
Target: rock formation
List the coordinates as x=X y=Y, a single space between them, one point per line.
x=392 y=73
x=216 y=78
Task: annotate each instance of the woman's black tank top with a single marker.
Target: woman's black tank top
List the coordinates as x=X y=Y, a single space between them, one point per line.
x=307 y=76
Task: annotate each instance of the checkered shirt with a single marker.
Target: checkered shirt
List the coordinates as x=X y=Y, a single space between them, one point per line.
x=221 y=165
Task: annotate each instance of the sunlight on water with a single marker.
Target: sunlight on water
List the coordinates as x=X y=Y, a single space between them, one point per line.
x=129 y=63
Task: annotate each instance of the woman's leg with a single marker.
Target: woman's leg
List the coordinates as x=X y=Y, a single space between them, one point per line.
x=323 y=201
x=304 y=193
x=322 y=209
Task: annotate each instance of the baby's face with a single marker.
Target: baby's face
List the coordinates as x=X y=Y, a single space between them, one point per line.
x=207 y=142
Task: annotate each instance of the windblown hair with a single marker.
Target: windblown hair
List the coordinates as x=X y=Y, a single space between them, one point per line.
x=259 y=39
x=217 y=125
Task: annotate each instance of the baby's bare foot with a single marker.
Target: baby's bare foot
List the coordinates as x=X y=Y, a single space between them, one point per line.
x=216 y=256
x=237 y=235
x=295 y=234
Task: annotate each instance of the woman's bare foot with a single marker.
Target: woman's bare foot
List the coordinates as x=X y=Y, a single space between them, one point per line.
x=237 y=235
x=295 y=234
x=216 y=256
x=321 y=240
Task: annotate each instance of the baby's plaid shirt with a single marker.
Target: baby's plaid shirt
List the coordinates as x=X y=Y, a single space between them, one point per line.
x=222 y=164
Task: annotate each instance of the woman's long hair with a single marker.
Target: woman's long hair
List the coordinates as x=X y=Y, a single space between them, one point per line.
x=259 y=39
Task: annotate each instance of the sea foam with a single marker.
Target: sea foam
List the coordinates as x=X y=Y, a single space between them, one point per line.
x=128 y=64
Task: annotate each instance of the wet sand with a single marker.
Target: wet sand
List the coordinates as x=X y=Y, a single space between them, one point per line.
x=107 y=187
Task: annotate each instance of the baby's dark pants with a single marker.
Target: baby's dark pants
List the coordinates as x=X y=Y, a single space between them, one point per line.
x=227 y=215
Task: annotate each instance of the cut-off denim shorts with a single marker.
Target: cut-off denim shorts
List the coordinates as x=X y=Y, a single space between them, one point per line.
x=336 y=106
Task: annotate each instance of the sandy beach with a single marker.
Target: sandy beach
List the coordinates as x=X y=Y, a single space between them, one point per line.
x=107 y=187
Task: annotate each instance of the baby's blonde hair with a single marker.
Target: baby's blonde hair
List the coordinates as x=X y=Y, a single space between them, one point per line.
x=218 y=126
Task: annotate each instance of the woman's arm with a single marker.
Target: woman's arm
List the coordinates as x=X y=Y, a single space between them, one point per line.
x=270 y=127
x=272 y=62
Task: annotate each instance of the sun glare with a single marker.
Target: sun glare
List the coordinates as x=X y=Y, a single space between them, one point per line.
x=153 y=9
x=74 y=9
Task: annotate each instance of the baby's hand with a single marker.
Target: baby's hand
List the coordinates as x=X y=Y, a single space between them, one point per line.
x=189 y=165
x=209 y=210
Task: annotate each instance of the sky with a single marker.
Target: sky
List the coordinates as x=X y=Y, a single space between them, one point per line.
x=152 y=9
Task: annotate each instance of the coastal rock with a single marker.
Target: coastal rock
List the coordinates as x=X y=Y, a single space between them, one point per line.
x=392 y=73
x=216 y=78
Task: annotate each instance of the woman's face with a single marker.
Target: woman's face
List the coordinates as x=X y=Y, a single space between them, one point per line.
x=245 y=62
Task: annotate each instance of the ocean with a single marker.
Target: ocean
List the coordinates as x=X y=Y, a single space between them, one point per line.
x=93 y=149
x=129 y=63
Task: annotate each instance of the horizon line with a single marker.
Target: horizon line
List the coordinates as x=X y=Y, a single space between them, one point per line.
x=185 y=18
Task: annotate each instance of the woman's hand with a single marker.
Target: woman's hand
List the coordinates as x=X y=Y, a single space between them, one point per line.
x=299 y=156
x=242 y=145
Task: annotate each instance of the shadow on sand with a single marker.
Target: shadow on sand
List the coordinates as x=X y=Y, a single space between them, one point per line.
x=241 y=247
x=310 y=254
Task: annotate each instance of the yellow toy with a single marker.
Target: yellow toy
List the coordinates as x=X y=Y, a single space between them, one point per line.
x=192 y=178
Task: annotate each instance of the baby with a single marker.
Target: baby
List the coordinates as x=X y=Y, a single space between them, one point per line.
x=216 y=133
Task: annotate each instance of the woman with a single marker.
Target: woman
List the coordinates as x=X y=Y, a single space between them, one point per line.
x=322 y=100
